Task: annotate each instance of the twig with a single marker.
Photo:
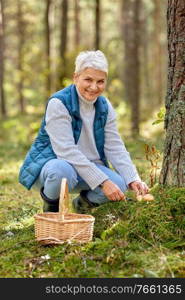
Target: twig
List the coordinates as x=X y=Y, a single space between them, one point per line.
x=145 y=240
x=22 y=242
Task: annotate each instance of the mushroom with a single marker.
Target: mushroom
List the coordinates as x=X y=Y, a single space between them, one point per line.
x=146 y=197
x=139 y=198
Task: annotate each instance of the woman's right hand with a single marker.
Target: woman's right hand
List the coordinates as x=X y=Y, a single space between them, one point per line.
x=112 y=191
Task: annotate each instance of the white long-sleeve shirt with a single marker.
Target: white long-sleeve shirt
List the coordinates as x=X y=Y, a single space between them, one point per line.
x=83 y=156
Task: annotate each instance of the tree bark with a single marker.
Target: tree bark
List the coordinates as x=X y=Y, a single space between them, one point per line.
x=2 y=48
x=47 y=36
x=63 y=42
x=157 y=49
x=173 y=167
x=21 y=40
x=145 y=83
x=77 y=23
x=97 y=24
x=131 y=32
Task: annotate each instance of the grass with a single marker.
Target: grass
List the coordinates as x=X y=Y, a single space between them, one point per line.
x=131 y=239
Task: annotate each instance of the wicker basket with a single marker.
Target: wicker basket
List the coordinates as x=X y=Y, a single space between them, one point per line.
x=57 y=228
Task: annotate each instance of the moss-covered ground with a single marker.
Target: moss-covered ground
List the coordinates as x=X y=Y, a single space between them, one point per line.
x=131 y=239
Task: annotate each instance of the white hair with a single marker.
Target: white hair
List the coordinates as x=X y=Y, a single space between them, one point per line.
x=91 y=59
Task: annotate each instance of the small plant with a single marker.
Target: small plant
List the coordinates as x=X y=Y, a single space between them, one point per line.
x=160 y=116
x=153 y=156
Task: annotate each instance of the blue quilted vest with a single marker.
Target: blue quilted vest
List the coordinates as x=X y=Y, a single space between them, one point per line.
x=41 y=150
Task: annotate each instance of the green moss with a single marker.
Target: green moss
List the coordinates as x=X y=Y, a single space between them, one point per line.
x=131 y=239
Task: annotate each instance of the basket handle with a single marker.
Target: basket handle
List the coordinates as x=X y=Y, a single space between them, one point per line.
x=64 y=198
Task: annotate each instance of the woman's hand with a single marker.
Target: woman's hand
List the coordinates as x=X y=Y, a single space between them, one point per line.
x=112 y=191
x=139 y=187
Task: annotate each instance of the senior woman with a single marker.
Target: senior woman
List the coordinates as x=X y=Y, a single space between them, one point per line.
x=77 y=139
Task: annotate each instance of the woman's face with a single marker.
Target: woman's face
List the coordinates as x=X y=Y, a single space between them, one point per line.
x=90 y=82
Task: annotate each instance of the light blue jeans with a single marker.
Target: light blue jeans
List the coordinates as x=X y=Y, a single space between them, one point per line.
x=55 y=169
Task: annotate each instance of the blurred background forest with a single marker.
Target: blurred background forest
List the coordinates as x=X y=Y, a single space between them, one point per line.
x=40 y=39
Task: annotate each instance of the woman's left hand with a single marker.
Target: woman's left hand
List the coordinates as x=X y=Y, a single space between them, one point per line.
x=139 y=187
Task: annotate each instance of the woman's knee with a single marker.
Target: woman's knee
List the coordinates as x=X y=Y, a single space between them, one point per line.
x=57 y=169
x=114 y=177
x=120 y=182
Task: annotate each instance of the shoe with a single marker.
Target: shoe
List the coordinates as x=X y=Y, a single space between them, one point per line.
x=81 y=203
x=77 y=204
x=85 y=200
x=49 y=204
x=130 y=199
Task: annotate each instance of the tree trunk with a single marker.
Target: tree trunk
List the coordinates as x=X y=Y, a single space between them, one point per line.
x=21 y=40
x=131 y=32
x=63 y=42
x=47 y=35
x=97 y=24
x=157 y=49
x=2 y=48
x=77 y=23
x=173 y=168
x=145 y=83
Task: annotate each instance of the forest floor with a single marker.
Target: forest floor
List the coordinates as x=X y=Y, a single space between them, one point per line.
x=131 y=239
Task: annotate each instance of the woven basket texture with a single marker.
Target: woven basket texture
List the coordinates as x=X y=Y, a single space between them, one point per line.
x=57 y=228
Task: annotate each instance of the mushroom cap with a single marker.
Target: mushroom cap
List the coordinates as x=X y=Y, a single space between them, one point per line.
x=146 y=197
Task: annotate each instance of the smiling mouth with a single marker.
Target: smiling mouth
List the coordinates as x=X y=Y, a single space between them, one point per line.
x=92 y=93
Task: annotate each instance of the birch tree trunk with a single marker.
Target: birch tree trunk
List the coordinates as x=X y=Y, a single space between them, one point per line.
x=173 y=168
